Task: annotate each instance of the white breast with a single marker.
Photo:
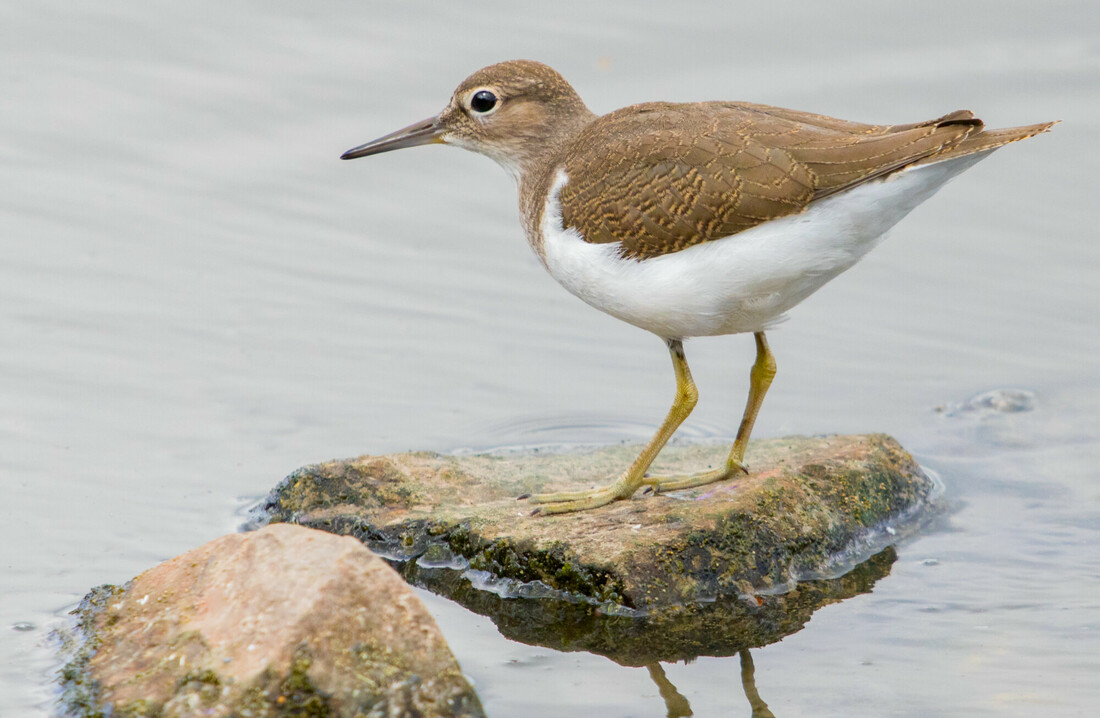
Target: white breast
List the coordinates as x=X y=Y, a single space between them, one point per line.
x=744 y=282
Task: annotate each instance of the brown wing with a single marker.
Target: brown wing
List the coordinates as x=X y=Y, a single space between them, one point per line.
x=662 y=177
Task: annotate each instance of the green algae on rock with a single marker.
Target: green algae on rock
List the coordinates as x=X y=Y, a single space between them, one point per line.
x=806 y=500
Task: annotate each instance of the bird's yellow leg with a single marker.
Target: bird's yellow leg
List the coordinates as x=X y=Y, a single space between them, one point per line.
x=760 y=378
x=634 y=477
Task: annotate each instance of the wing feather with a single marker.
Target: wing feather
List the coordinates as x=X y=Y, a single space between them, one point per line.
x=662 y=177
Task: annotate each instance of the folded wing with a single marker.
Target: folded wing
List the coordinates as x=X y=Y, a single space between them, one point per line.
x=663 y=177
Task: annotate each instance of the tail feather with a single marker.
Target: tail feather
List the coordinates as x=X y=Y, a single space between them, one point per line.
x=984 y=140
x=958 y=117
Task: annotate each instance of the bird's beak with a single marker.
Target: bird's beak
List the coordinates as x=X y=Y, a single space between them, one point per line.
x=426 y=132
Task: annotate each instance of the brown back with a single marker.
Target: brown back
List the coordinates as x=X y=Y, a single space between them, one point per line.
x=661 y=177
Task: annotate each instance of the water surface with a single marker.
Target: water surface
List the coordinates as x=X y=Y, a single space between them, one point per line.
x=196 y=298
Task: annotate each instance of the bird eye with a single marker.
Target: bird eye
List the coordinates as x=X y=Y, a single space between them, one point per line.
x=483 y=101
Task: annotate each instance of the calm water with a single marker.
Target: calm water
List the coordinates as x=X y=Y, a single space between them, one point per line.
x=196 y=298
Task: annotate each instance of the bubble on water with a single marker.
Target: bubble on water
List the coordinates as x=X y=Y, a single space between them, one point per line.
x=441 y=556
x=997 y=401
x=511 y=588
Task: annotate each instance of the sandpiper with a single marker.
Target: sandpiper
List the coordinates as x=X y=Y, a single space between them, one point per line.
x=694 y=219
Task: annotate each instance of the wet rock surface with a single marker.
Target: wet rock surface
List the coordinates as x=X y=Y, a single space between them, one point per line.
x=281 y=621
x=723 y=627
x=806 y=500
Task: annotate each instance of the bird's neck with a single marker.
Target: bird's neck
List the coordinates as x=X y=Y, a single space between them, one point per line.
x=539 y=165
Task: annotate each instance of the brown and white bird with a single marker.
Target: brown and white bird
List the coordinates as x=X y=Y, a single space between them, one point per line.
x=694 y=219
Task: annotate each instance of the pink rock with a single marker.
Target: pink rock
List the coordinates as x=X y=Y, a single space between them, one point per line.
x=275 y=621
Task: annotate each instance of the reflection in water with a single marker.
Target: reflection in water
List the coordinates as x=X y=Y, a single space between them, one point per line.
x=679 y=633
x=748 y=682
x=677 y=705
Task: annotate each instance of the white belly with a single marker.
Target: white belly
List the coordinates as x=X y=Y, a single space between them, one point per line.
x=744 y=282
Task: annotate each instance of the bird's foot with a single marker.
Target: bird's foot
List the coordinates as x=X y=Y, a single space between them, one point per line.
x=564 y=502
x=731 y=470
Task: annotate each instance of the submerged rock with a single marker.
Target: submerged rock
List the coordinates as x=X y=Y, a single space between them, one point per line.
x=282 y=621
x=806 y=501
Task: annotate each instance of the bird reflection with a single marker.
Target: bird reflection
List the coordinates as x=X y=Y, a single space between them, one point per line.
x=677 y=706
x=748 y=682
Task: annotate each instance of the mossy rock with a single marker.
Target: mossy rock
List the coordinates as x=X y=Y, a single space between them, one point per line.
x=723 y=627
x=806 y=501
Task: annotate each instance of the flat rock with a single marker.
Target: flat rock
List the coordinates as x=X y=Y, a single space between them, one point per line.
x=280 y=621
x=806 y=501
